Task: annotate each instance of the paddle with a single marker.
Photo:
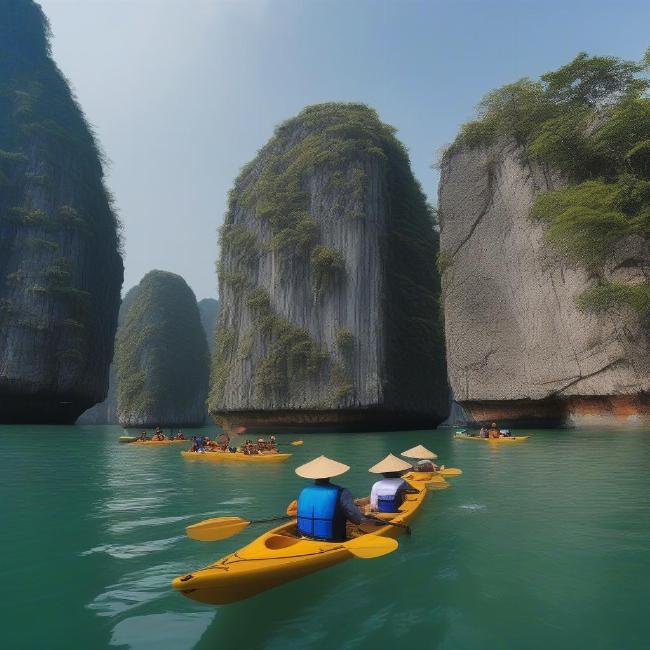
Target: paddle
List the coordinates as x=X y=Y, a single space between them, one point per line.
x=211 y=530
x=385 y=522
x=218 y=528
x=450 y=471
x=297 y=443
x=437 y=486
x=370 y=546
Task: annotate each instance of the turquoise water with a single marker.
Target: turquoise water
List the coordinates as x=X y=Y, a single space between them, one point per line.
x=540 y=545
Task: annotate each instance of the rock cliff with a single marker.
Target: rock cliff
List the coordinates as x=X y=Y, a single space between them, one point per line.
x=526 y=342
x=106 y=412
x=161 y=356
x=60 y=267
x=328 y=289
x=209 y=310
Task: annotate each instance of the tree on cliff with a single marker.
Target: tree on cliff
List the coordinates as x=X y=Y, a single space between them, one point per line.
x=60 y=265
x=329 y=293
x=590 y=120
x=161 y=356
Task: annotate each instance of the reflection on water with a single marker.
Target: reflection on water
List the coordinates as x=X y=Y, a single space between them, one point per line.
x=535 y=545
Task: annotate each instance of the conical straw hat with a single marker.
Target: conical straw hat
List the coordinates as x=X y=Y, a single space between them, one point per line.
x=321 y=467
x=419 y=452
x=390 y=464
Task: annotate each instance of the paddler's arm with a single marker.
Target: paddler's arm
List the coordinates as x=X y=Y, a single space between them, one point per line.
x=350 y=508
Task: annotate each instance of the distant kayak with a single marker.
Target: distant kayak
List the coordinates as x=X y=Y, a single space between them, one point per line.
x=227 y=456
x=145 y=443
x=505 y=440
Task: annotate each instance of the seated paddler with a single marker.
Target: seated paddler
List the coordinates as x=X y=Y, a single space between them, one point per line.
x=324 y=508
x=387 y=495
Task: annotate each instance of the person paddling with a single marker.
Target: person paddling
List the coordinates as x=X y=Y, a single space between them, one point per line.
x=494 y=431
x=387 y=495
x=324 y=508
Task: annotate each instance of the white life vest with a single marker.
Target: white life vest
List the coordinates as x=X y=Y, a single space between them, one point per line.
x=382 y=495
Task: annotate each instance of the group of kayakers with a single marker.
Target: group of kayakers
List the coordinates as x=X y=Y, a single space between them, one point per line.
x=494 y=432
x=159 y=436
x=202 y=444
x=324 y=508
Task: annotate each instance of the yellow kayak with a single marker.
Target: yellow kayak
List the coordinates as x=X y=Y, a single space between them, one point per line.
x=510 y=440
x=145 y=443
x=227 y=456
x=282 y=555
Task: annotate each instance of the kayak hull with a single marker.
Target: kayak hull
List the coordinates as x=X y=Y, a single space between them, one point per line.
x=228 y=457
x=127 y=439
x=157 y=443
x=495 y=441
x=280 y=556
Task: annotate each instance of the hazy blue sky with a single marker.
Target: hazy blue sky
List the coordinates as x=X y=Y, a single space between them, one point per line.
x=182 y=93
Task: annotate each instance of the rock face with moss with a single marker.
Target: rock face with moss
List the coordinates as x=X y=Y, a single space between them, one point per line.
x=209 y=310
x=329 y=293
x=545 y=231
x=106 y=412
x=161 y=356
x=60 y=268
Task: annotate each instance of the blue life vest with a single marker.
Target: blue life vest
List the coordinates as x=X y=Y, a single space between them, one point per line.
x=319 y=513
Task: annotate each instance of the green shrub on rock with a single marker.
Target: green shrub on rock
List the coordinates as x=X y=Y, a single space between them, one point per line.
x=590 y=120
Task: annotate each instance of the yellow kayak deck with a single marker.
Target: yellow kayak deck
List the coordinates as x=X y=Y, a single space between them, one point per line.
x=282 y=555
x=226 y=457
x=509 y=440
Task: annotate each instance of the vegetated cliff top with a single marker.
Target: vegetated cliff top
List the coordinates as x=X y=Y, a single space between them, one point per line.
x=328 y=198
x=38 y=109
x=161 y=353
x=590 y=120
x=320 y=136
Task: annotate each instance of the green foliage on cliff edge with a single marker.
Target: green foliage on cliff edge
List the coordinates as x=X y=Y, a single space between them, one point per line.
x=161 y=351
x=590 y=120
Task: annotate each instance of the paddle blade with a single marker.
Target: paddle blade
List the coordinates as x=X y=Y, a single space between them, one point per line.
x=212 y=530
x=369 y=546
x=292 y=508
x=297 y=443
x=450 y=471
x=238 y=430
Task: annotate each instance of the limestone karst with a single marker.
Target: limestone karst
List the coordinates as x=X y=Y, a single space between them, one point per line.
x=328 y=288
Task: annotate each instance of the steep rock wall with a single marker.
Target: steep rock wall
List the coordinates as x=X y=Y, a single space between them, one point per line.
x=328 y=312
x=60 y=268
x=209 y=311
x=161 y=356
x=106 y=412
x=519 y=349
